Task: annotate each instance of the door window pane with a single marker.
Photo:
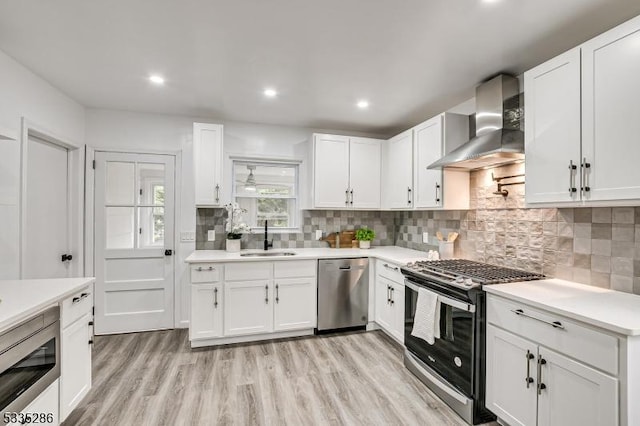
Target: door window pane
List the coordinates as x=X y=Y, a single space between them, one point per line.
x=119 y=227
x=151 y=222
x=151 y=184
x=120 y=183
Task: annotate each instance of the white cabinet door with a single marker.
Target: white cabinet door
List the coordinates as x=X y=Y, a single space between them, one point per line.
x=552 y=130
x=399 y=171
x=46 y=403
x=331 y=171
x=397 y=307
x=248 y=307
x=208 y=163
x=295 y=304
x=365 y=166
x=206 y=311
x=75 y=369
x=509 y=395
x=384 y=310
x=610 y=111
x=575 y=394
x=427 y=140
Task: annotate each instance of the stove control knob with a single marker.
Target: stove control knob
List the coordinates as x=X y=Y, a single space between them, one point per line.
x=459 y=280
x=468 y=282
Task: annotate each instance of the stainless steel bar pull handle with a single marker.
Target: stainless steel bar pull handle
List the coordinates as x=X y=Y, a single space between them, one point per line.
x=554 y=324
x=217 y=193
x=215 y=297
x=437 y=193
x=388 y=295
x=409 y=195
x=277 y=294
x=572 y=177
x=529 y=379
x=393 y=268
x=266 y=293
x=541 y=386
x=392 y=295
x=351 y=192
x=346 y=197
x=585 y=175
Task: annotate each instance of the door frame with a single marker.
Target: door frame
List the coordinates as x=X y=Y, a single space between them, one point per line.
x=179 y=299
x=75 y=192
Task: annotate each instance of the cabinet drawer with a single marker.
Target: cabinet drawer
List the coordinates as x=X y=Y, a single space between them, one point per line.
x=294 y=269
x=389 y=270
x=205 y=273
x=247 y=271
x=574 y=339
x=76 y=306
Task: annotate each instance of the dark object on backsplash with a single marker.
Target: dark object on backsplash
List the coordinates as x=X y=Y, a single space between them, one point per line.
x=346 y=239
x=267 y=243
x=502 y=191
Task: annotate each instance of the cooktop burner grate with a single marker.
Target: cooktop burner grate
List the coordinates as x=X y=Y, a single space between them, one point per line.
x=482 y=273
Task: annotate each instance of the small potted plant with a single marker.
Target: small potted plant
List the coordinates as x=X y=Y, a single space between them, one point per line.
x=235 y=227
x=365 y=236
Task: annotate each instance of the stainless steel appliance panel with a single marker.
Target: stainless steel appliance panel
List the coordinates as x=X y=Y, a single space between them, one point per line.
x=343 y=293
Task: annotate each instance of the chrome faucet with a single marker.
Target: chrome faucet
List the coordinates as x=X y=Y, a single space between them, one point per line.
x=267 y=243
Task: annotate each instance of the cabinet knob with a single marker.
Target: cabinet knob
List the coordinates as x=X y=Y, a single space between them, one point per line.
x=91 y=342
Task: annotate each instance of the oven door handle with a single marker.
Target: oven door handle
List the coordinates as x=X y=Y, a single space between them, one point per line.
x=444 y=299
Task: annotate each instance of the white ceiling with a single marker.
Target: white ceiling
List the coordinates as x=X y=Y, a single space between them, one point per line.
x=410 y=58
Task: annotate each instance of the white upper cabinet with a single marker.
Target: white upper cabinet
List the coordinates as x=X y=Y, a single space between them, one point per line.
x=346 y=172
x=552 y=129
x=610 y=113
x=208 y=163
x=431 y=140
x=581 y=118
x=398 y=171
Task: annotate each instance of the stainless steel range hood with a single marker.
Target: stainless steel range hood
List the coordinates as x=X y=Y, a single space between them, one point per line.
x=499 y=139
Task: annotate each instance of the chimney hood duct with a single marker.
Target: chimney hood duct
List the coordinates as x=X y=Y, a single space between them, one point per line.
x=499 y=139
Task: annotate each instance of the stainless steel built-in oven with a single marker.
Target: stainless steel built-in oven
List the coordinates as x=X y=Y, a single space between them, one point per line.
x=29 y=360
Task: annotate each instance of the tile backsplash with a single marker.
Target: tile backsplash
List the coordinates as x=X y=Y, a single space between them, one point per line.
x=597 y=246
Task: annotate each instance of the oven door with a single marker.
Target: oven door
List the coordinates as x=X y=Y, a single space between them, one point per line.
x=451 y=356
x=28 y=368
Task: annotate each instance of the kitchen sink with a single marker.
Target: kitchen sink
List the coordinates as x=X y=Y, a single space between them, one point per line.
x=268 y=254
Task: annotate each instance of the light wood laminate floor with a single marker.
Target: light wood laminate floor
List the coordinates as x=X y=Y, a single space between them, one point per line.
x=154 y=378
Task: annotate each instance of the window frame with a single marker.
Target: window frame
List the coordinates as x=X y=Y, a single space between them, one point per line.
x=296 y=214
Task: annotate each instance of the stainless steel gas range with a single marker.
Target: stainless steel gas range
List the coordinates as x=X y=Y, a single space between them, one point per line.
x=454 y=366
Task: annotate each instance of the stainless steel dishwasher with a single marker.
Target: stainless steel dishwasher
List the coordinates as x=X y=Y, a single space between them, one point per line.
x=343 y=293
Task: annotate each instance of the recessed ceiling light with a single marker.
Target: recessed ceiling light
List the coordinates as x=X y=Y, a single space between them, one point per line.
x=156 y=79
x=363 y=104
x=270 y=93
x=490 y=1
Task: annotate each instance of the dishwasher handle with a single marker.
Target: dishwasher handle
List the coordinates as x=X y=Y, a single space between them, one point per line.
x=345 y=268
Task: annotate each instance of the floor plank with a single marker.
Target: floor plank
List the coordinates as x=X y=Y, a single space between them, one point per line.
x=155 y=378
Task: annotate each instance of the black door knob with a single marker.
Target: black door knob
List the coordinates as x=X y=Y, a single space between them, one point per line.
x=168 y=252
x=67 y=257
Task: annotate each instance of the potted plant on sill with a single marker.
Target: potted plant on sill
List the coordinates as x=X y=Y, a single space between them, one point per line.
x=364 y=237
x=235 y=227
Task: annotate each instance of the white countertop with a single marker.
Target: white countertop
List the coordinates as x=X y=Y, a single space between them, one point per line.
x=19 y=299
x=392 y=254
x=608 y=309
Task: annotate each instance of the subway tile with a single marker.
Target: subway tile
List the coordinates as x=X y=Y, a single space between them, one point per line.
x=622 y=283
x=623 y=215
x=622 y=232
x=582 y=215
x=601 y=231
x=601 y=247
x=601 y=215
x=622 y=249
x=622 y=266
x=582 y=245
x=582 y=260
x=601 y=264
x=582 y=230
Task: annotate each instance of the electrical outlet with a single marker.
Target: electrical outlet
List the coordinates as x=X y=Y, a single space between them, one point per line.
x=318 y=234
x=187 y=237
x=211 y=235
x=425 y=237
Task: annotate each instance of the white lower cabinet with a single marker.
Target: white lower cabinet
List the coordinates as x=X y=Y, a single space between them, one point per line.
x=45 y=405
x=206 y=311
x=295 y=304
x=248 y=307
x=253 y=300
x=530 y=384
x=75 y=347
x=389 y=301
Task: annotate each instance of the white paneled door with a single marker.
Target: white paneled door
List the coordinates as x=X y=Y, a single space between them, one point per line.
x=46 y=216
x=134 y=235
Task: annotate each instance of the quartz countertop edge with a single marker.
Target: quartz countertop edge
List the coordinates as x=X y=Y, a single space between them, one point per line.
x=611 y=310
x=393 y=254
x=21 y=299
